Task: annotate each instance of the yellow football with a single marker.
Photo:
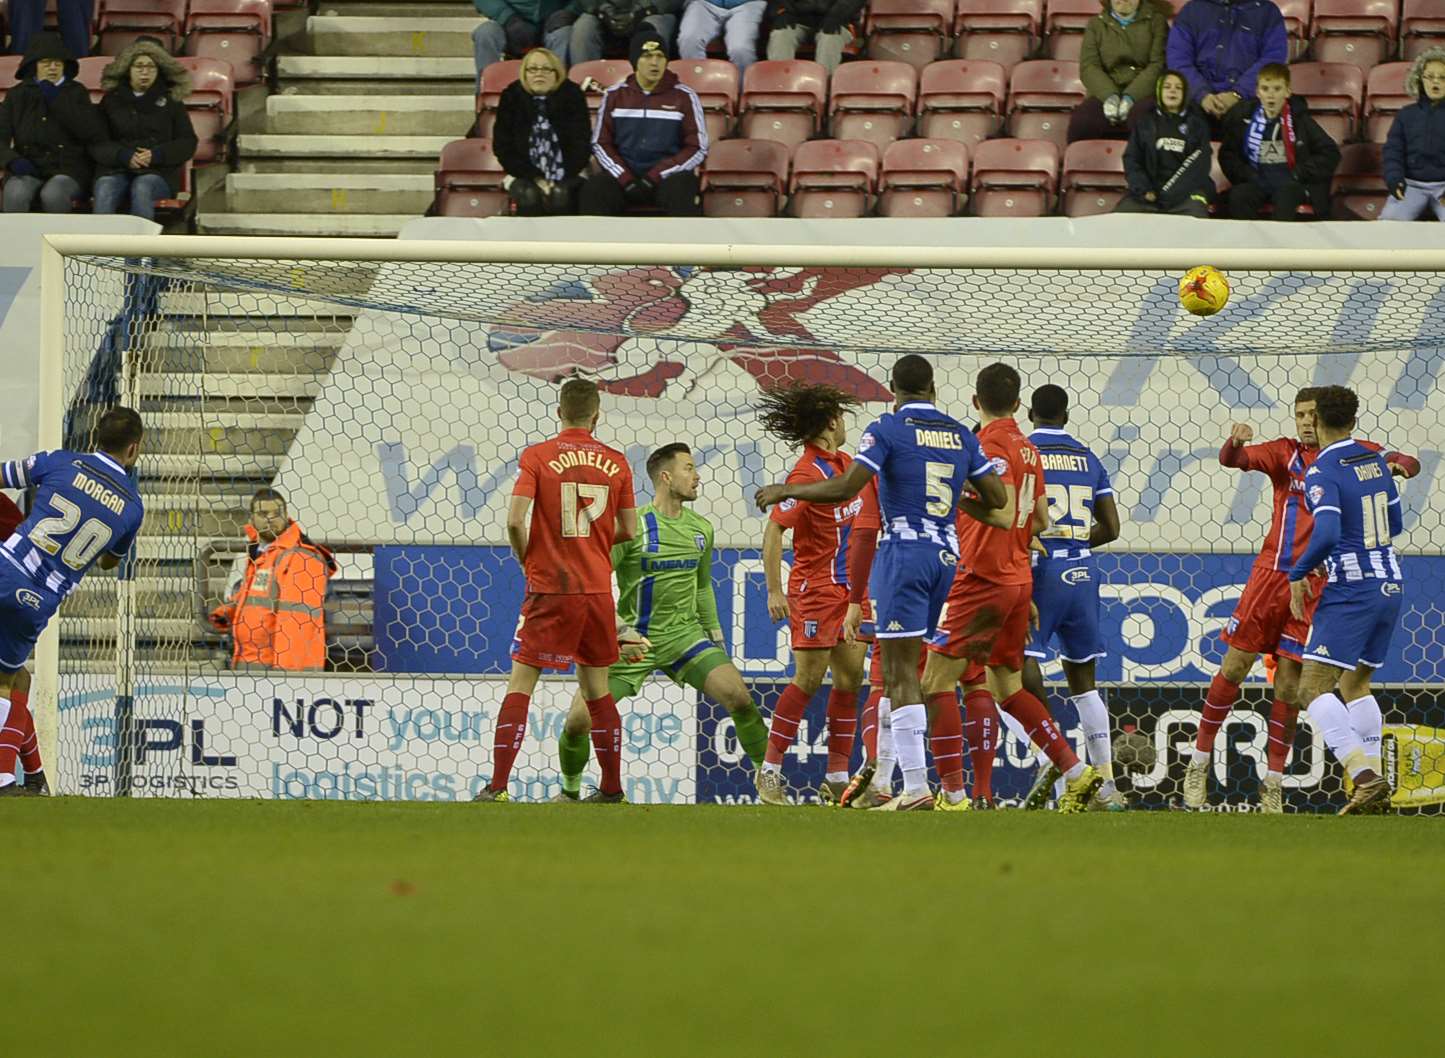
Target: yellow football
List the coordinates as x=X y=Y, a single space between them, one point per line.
x=1203 y=290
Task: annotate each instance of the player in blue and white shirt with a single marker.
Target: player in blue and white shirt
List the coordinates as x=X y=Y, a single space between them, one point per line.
x=86 y=510
x=1356 y=509
x=1083 y=517
x=924 y=460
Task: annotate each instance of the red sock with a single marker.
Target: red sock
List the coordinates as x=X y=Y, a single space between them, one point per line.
x=870 y=724
x=1030 y=712
x=981 y=728
x=787 y=714
x=511 y=729
x=12 y=733
x=1282 y=720
x=607 y=742
x=945 y=739
x=842 y=728
x=29 y=743
x=1217 y=704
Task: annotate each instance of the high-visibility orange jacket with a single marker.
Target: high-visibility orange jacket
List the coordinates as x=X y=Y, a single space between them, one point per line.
x=276 y=616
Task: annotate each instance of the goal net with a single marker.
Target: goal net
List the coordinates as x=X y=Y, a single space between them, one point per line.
x=387 y=401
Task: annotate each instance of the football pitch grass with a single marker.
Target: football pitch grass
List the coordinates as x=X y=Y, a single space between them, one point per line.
x=321 y=928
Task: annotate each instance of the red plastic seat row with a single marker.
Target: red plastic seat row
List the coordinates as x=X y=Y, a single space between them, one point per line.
x=468 y=180
x=233 y=31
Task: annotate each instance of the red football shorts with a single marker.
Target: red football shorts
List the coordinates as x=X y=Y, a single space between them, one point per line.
x=815 y=617
x=985 y=622
x=556 y=630
x=1261 y=622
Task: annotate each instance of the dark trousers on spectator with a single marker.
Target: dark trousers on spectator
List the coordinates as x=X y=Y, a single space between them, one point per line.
x=1087 y=121
x=27 y=18
x=1190 y=207
x=1247 y=201
x=677 y=196
x=530 y=200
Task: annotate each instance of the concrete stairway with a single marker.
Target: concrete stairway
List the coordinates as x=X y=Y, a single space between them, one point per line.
x=349 y=143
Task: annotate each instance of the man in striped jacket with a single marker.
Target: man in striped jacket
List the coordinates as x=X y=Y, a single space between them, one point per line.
x=650 y=140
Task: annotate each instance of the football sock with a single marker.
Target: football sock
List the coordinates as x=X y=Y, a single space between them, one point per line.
x=842 y=729
x=1332 y=720
x=511 y=729
x=1217 y=704
x=910 y=724
x=945 y=742
x=787 y=715
x=573 y=753
x=1369 y=724
x=887 y=760
x=980 y=726
x=29 y=743
x=10 y=738
x=607 y=742
x=752 y=732
x=1094 y=719
x=870 y=725
x=1282 y=720
x=1043 y=732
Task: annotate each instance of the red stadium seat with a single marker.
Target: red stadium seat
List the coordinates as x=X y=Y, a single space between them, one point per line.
x=1422 y=26
x=744 y=178
x=716 y=83
x=1335 y=91
x=1093 y=180
x=598 y=75
x=170 y=208
x=469 y=180
x=872 y=101
x=90 y=74
x=1358 y=187
x=783 y=101
x=1357 y=31
x=1064 y=23
x=123 y=21
x=495 y=80
x=923 y=178
x=961 y=99
x=1002 y=31
x=237 y=31
x=1041 y=95
x=911 y=31
x=211 y=105
x=1014 y=178
x=1296 y=26
x=1384 y=95
x=833 y=178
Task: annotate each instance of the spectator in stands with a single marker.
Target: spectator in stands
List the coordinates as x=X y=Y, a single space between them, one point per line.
x=738 y=21
x=149 y=134
x=47 y=127
x=604 y=29
x=276 y=597
x=27 y=18
x=1274 y=152
x=1169 y=154
x=1120 y=63
x=543 y=136
x=1414 y=153
x=827 y=22
x=511 y=27
x=1220 y=47
x=651 y=140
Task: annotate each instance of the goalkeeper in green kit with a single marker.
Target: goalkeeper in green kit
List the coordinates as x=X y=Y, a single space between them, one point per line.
x=666 y=604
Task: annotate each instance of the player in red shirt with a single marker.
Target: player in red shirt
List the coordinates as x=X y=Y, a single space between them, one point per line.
x=813 y=417
x=17 y=730
x=1262 y=622
x=984 y=626
x=573 y=500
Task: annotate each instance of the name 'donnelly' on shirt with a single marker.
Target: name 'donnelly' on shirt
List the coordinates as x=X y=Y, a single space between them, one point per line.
x=584 y=457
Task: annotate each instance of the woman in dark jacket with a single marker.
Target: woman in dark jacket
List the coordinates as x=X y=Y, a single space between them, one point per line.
x=1120 y=61
x=542 y=136
x=1169 y=154
x=149 y=135
x=47 y=126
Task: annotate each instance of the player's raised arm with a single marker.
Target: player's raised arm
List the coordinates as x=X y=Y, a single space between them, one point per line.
x=836 y=489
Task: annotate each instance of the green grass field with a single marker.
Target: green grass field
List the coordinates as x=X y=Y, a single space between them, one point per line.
x=226 y=928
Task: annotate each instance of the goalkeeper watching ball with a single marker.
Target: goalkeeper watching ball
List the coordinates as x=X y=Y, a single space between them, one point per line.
x=1203 y=291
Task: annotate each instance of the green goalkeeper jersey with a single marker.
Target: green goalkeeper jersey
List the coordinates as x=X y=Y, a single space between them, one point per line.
x=664 y=575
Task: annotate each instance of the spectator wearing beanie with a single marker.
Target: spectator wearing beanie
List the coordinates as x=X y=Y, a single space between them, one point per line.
x=543 y=136
x=48 y=127
x=1169 y=154
x=1414 y=153
x=1120 y=63
x=149 y=137
x=828 y=22
x=650 y=140
x=1273 y=152
x=737 y=21
x=1221 y=45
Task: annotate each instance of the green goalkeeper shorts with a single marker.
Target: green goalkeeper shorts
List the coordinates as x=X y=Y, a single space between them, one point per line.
x=687 y=658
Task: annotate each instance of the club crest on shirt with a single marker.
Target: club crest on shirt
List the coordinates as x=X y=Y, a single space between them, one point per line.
x=810 y=629
x=1000 y=466
x=865 y=442
x=701 y=540
x=1317 y=493
x=29 y=599
x=787 y=505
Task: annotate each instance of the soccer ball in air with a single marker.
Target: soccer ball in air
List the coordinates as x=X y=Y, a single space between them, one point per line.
x=1203 y=290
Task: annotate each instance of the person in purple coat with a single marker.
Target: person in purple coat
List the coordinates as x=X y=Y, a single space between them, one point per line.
x=1219 y=47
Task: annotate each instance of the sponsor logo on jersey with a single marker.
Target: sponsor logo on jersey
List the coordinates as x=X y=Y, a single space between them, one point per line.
x=1231 y=626
x=31 y=600
x=787 y=505
x=1000 y=466
x=810 y=629
x=1316 y=494
x=1322 y=650
x=1077 y=575
x=948 y=558
x=894 y=626
x=1312 y=471
x=1389 y=588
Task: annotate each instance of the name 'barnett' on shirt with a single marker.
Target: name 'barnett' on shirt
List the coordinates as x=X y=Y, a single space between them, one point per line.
x=1065 y=463
x=584 y=457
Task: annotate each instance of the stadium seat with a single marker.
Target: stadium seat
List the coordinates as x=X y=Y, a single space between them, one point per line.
x=1296 y=26
x=1335 y=91
x=596 y=76
x=495 y=80
x=961 y=99
x=238 y=31
x=1384 y=95
x=744 y=178
x=1422 y=26
x=469 y=181
x=9 y=64
x=783 y=101
x=90 y=74
x=1014 y=178
x=1042 y=92
x=1064 y=22
x=872 y=101
x=211 y=105
x=123 y=21
x=1002 y=31
x=833 y=178
x=716 y=83
x=923 y=178
x=1358 y=187
x=168 y=209
x=911 y=31
x=1093 y=180
x=1357 y=31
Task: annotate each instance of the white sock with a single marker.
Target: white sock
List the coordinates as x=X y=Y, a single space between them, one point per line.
x=1329 y=715
x=887 y=762
x=1094 y=718
x=1199 y=756
x=1074 y=772
x=772 y=769
x=836 y=776
x=910 y=725
x=7 y=778
x=1274 y=776
x=1369 y=724
x=955 y=796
